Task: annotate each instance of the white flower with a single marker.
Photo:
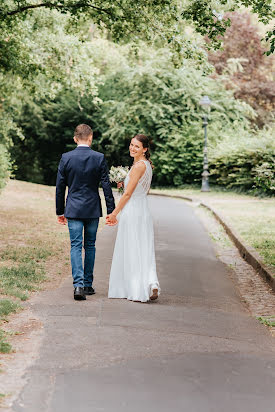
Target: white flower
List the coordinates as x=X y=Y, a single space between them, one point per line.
x=118 y=174
x=218 y=15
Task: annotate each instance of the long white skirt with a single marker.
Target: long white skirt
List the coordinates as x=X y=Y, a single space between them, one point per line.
x=133 y=272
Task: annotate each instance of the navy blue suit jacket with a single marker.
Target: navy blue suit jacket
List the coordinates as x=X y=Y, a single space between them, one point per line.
x=82 y=170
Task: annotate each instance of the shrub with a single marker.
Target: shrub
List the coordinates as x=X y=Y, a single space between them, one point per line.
x=265 y=176
x=4 y=166
x=246 y=162
x=163 y=102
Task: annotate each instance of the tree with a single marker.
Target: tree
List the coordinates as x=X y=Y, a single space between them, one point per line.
x=48 y=126
x=137 y=93
x=245 y=68
x=47 y=55
x=147 y=18
x=39 y=58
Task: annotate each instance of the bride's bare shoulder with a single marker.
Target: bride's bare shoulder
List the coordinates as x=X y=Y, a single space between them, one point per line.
x=138 y=168
x=139 y=165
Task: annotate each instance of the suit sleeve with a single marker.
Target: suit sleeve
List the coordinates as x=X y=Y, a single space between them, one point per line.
x=60 y=188
x=106 y=186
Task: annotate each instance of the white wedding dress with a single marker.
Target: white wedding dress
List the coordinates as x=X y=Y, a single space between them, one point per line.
x=133 y=273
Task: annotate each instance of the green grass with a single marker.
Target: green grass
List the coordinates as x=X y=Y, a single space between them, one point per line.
x=23 y=296
x=7 y=307
x=25 y=254
x=34 y=246
x=5 y=347
x=18 y=280
x=268 y=321
x=266 y=247
x=251 y=217
x=25 y=275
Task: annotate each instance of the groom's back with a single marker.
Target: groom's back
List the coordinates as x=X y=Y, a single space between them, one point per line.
x=82 y=170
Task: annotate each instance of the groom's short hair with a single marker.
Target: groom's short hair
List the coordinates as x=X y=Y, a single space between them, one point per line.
x=83 y=132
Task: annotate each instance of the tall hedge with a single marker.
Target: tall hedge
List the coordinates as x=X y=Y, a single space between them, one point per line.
x=246 y=161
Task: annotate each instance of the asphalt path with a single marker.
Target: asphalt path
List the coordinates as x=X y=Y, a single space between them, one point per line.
x=196 y=349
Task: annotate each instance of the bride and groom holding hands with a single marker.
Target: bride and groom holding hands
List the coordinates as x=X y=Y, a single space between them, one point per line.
x=133 y=273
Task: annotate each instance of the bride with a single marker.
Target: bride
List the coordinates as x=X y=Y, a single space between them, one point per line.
x=133 y=273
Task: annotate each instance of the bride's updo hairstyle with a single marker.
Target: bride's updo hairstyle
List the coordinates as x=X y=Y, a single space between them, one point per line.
x=145 y=143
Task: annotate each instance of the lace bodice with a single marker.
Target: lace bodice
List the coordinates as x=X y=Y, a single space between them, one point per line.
x=144 y=182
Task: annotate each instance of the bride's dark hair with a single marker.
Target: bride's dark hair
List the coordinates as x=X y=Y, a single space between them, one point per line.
x=145 y=143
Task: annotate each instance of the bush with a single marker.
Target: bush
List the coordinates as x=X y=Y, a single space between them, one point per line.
x=265 y=177
x=178 y=158
x=162 y=102
x=245 y=162
x=5 y=166
x=137 y=94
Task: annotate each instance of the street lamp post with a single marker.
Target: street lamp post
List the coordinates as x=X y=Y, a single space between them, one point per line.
x=205 y=103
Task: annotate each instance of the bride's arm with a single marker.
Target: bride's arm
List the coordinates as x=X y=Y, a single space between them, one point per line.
x=135 y=174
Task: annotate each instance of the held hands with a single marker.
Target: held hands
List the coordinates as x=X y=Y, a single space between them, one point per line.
x=120 y=185
x=111 y=220
x=61 y=220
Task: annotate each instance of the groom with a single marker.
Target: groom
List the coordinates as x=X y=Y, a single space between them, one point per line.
x=82 y=170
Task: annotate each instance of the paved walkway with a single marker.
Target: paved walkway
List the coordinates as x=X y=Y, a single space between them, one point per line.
x=196 y=349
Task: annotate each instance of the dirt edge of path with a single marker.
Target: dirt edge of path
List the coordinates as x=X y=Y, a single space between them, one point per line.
x=254 y=291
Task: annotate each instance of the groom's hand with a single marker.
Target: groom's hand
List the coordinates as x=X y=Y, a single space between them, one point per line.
x=61 y=220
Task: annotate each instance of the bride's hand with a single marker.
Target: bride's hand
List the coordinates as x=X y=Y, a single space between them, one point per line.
x=111 y=220
x=120 y=184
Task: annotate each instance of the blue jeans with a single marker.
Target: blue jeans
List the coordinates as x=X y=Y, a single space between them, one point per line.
x=83 y=277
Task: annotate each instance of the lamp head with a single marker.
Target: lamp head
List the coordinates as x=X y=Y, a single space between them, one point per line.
x=205 y=102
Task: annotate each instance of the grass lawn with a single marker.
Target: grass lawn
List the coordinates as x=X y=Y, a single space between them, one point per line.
x=252 y=218
x=34 y=249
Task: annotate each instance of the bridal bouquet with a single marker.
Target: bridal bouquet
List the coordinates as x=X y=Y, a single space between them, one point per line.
x=118 y=174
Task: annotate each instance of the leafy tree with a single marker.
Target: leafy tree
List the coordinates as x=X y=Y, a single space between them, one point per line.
x=53 y=76
x=137 y=93
x=163 y=102
x=146 y=18
x=49 y=61
x=245 y=68
x=48 y=126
